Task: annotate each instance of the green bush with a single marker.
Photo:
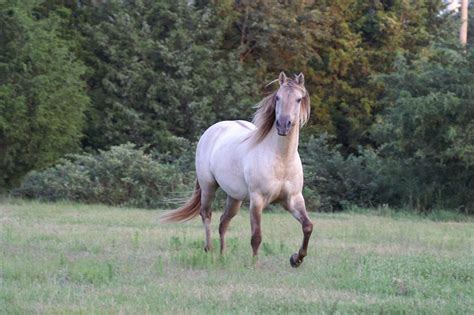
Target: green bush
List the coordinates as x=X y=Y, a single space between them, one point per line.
x=374 y=178
x=333 y=181
x=122 y=176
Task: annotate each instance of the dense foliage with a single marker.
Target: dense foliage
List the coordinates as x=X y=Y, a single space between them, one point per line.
x=338 y=45
x=387 y=84
x=425 y=156
x=333 y=182
x=121 y=176
x=42 y=93
x=160 y=74
x=427 y=131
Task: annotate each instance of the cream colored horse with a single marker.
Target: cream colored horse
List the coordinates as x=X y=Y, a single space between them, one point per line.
x=257 y=162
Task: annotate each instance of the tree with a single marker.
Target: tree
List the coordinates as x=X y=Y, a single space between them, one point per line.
x=427 y=129
x=339 y=45
x=42 y=94
x=464 y=22
x=160 y=75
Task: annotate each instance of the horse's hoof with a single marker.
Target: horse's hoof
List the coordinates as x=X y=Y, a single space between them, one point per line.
x=295 y=263
x=256 y=263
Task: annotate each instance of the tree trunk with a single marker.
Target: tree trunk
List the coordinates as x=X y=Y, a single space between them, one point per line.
x=463 y=31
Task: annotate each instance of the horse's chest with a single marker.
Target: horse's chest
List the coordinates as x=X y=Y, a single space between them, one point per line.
x=276 y=180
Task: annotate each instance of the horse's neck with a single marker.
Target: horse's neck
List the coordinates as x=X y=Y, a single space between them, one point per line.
x=285 y=147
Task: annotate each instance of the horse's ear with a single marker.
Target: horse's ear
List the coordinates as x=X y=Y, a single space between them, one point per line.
x=282 y=78
x=300 y=79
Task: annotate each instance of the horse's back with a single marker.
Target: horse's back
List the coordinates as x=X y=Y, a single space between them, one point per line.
x=224 y=132
x=219 y=156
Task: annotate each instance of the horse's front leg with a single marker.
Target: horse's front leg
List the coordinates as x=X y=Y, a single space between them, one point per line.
x=296 y=206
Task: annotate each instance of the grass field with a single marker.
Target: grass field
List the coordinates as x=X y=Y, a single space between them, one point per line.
x=71 y=258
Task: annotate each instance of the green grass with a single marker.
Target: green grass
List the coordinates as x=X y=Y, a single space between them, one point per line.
x=71 y=258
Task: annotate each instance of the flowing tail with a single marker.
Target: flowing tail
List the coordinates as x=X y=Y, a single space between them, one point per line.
x=186 y=212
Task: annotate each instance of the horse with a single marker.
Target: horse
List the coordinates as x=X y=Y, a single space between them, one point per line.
x=256 y=161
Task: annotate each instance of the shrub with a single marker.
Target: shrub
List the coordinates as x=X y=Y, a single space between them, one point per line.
x=373 y=178
x=333 y=181
x=122 y=176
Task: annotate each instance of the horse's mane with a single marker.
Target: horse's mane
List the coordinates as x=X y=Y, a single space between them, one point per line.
x=264 y=117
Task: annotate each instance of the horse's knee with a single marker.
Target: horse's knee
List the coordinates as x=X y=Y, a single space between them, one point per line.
x=308 y=227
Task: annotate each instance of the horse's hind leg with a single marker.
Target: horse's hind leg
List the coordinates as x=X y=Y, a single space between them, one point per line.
x=207 y=196
x=256 y=208
x=231 y=208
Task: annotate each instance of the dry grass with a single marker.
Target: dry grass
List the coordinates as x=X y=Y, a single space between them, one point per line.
x=70 y=258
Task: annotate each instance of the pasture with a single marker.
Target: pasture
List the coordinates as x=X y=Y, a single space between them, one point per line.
x=73 y=258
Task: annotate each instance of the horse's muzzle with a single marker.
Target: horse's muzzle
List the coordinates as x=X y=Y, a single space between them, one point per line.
x=283 y=126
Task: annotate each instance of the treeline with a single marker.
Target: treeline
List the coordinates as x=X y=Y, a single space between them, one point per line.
x=390 y=88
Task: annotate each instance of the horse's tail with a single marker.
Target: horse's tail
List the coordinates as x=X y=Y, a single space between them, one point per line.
x=186 y=212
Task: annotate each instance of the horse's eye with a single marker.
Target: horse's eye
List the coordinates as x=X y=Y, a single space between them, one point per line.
x=298 y=100
x=277 y=98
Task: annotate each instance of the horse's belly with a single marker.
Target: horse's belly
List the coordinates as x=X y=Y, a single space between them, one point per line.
x=227 y=170
x=219 y=156
x=233 y=187
x=226 y=166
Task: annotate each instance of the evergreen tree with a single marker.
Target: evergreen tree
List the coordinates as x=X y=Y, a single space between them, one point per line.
x=161 y=75
x=427 y=130
x=42 y=95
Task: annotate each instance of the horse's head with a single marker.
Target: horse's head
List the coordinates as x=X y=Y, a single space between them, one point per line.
x=285 y=108
x=292 y=105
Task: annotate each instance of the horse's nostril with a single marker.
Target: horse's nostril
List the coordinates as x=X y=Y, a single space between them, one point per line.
x=278 y=123
x=288 y=124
